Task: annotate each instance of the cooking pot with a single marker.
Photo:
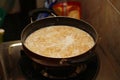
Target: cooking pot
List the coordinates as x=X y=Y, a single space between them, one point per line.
x=53 y=21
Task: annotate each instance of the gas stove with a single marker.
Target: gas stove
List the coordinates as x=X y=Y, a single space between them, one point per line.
x=16 y=65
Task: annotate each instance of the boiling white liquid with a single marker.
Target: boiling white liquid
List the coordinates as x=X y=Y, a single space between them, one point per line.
x=59 y=41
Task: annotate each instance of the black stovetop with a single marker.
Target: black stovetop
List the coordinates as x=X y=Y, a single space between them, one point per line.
x=18 y=66
x=87 y=71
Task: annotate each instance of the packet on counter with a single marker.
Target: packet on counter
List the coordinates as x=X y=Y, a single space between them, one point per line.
x=71 y=9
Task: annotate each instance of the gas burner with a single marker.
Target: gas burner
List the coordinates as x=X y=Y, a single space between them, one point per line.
x=34 y=71
x=74 y=73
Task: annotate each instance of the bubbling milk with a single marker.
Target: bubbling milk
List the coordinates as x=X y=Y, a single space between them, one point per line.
x=59 y=41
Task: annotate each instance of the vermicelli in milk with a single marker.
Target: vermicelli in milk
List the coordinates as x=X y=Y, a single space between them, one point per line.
x=59 y=41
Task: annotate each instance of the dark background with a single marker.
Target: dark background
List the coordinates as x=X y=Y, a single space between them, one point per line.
x=14 y=23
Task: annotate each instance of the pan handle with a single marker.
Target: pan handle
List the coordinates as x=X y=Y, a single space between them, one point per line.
x=40 y=10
